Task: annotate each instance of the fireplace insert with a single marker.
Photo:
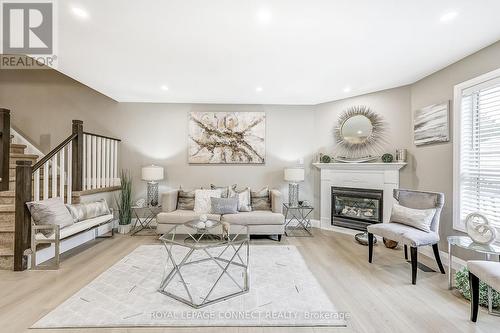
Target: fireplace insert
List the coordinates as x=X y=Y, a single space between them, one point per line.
x=356 y=208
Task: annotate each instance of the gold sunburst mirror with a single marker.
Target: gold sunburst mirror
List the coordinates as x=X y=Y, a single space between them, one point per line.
x=359 y=134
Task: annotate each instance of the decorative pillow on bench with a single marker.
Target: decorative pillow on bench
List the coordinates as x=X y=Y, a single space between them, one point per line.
x=50 y=212
x=88 y=210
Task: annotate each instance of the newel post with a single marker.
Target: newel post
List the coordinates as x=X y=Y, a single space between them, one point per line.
x=4 y=148
x=22 y=231
x=77 y=158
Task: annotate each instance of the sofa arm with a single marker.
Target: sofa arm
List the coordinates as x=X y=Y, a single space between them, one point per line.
x=276 y=201
x=169 y=201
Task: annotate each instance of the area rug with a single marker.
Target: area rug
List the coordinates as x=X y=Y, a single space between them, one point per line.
x=283 y=292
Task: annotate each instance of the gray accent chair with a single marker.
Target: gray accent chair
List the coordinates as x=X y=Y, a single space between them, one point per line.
x=410 y=236
x=486 y=271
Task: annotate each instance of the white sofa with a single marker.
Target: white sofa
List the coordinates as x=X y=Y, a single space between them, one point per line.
x=260 y=222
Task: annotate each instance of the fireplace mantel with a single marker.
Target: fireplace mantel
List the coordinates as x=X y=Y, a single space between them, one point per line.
x=378 y=176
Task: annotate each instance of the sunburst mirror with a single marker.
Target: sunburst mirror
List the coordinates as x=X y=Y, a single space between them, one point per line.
x=359 y=135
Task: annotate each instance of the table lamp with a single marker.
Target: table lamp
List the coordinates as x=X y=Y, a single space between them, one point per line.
x=152 y=174
x=293 y=176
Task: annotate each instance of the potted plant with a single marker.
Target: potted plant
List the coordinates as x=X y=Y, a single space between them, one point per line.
x=125 y=203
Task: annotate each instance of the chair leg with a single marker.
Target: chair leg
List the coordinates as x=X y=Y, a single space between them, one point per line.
x=474 y=302
x=413 y=253
x=406 y=252
x=435 y=248
x=370 y=247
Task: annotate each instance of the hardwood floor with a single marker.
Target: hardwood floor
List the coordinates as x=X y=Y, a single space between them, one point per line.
x=379 y=297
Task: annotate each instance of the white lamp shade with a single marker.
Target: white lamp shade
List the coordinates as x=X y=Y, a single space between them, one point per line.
x=152 y=173
x=294 y=174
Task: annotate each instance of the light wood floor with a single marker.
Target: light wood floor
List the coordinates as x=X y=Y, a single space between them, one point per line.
x=378 y=297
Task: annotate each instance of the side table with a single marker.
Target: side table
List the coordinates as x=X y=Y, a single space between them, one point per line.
x=465 y=242
x=143 y=222
x=297 y=220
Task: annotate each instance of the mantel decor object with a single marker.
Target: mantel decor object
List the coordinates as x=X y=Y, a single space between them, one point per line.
x=360 y=135
x=152 y=174
x=387 y=158
x=293 y=176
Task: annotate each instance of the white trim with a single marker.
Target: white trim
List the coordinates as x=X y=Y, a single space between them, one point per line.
x=457 y=117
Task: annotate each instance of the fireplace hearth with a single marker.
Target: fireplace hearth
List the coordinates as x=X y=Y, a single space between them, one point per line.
x=356 y=208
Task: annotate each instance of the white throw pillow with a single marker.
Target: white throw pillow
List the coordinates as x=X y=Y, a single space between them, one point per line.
x=202 y=203
x=417 y=218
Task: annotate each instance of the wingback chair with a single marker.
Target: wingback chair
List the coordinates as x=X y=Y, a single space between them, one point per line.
x=409 y=236
x=486 y=271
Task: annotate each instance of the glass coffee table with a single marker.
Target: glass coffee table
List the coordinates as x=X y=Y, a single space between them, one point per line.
x=206 y=265
x=465 y=242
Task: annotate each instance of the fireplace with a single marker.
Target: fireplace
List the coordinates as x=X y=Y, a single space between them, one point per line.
x=356 y=208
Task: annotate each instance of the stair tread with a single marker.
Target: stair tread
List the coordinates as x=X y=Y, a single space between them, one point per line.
x=7 y=208
x=17 y=145
x=9 y=193
x=28 y=156
x=6 y=253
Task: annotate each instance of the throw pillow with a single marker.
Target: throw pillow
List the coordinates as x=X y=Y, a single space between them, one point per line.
x=185 y=200
x=50 y=212
x=261 y=199
x=88 y=210
x=224 y=189
x=417 y=218
x=244 y=202
x=224 y=205
x=202 y=204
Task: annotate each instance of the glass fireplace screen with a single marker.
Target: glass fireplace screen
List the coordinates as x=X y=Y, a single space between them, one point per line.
x=367 y=208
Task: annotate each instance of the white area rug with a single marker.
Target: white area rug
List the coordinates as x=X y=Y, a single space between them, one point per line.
x=283 y=292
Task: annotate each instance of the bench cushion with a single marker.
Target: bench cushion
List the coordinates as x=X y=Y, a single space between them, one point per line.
x=404 y=234
x=78 y=227
x=486 y=271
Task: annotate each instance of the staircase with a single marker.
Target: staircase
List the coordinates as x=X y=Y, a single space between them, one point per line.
x=7 y=206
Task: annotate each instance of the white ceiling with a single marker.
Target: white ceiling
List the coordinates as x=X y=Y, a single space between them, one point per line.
x=297 y=52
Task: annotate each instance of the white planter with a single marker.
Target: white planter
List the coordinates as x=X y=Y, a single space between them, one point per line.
x=124 y=228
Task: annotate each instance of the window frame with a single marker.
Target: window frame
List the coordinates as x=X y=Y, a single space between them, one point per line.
x=457 y=139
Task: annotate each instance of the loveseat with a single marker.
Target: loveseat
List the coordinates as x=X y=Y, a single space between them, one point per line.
x=259 y=222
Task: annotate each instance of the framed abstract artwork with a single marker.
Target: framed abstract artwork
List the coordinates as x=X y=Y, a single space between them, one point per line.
x=227 y=138
x=431 y=124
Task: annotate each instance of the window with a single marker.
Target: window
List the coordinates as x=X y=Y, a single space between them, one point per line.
x=477 y=149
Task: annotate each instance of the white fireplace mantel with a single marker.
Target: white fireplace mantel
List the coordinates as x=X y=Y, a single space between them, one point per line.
x=377 y=176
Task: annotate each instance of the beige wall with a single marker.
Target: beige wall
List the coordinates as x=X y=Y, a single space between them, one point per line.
x=434 y=163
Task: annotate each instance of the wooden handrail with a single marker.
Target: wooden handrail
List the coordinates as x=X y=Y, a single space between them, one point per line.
x=4 y=148
x=102 y=136
x=53 y=152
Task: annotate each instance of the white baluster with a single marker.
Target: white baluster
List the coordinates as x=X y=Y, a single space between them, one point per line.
x=99 y=157
x=103 y=161
x=61 y=173
x=36 y=184
x=94 y=162
x=84 y=164
x=108 y=162
x=46 y=180
x=115 y=171
x=88 y=157
x=70 y=183
x=53 y=166
x=111 y=163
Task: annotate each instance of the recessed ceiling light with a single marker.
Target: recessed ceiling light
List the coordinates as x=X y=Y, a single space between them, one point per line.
x=447 y=17
x=264 y=15
x=164 y=87
x=347 y=89
x=258 y=89
x=81 y=13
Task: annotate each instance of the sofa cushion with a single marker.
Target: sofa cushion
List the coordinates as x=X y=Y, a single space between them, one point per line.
x=50 y=212
x=261 y=199
x=256 y=217
x=185 y=199
x=182 y=216
x=224 y=205
x=78 y=227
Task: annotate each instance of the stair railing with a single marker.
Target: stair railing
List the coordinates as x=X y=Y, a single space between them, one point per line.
x=4 y=148
x=64 y=170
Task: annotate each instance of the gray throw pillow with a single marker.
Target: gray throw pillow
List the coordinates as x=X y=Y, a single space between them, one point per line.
x=50 y=212
x=416 y=218
x=185 y=200
x=224 y=205
x=88 y=210
x=261 y=199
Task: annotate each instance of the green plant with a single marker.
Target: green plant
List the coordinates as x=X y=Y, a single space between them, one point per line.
x=462 y=283
x=125 y=203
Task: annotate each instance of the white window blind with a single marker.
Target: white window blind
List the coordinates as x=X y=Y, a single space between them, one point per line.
x=480 y=151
